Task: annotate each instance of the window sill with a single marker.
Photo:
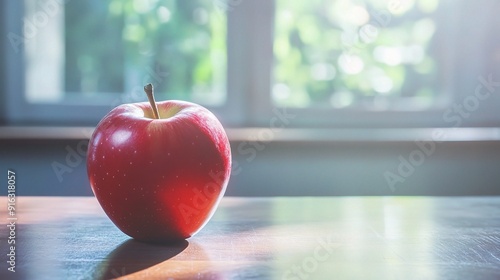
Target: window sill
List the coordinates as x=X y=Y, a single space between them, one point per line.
x=482 y=134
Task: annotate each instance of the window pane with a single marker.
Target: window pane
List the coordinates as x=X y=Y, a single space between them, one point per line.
x=97 y=51
x=370 y=54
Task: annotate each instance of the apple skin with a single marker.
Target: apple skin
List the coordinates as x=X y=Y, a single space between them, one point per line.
x=159 y=180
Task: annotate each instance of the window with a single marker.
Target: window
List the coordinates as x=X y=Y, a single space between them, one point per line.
x=394 y=63
x=82 y=58
x=332 y=63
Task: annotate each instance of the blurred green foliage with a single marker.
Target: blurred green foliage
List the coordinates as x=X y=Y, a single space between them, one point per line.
x=339 y=53
x=117 y=46
x=345 y=53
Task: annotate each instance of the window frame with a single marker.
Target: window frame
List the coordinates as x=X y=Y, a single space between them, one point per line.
x=20 y=111
x=356 y=118
x=250 y=62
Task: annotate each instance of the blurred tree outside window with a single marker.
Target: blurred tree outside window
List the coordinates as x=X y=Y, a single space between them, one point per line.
x=97 y=49
x=373 y=54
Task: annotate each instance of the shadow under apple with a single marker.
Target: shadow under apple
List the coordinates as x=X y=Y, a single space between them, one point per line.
x=132 y=256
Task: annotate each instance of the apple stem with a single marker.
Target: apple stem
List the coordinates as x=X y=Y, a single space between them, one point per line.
x=148 y=89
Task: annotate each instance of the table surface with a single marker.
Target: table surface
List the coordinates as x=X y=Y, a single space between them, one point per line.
x=266 y=238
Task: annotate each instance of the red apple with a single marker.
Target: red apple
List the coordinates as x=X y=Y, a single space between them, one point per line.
x=159 y=180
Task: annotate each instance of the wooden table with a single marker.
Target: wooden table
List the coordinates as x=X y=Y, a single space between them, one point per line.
x=266 y=238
